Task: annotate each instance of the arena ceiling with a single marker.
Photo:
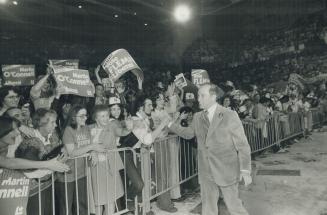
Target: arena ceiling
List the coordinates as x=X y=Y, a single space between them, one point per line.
x=100 y=19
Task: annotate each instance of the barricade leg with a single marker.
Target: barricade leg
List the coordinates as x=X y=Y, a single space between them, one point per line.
x=146 y=171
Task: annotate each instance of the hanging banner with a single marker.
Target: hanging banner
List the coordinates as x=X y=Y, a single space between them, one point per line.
x=14 y=192
x=72 y=63
x=118 y=63
x=74 y=81
x=18 y=75
x=200 y=77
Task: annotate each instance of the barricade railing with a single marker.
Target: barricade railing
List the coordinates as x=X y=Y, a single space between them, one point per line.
x=318 y=117
x=169 y=163
x=262 y=134
x=158 y=166
x=98 y=189
x=165 y=165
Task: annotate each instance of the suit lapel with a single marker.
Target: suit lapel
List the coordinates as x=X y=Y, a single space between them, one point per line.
x=216 y=120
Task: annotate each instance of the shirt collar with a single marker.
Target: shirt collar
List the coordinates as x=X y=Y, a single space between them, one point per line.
x=45 y=141
x=212 y=109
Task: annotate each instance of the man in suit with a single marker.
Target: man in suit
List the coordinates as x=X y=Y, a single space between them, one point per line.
x=223 y=150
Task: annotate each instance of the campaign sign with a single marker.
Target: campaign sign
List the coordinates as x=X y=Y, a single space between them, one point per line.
x=180 y=81
x=107 y=84
x=200 y=77
x=72 y=63
x=14 y=192
x=18 y=75
x=74 y=81
x=118 y=63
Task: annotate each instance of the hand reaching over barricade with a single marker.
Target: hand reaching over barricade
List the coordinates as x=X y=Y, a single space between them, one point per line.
x=129 y=124
x=98 y=147
x=94 y=158
x=56 y=164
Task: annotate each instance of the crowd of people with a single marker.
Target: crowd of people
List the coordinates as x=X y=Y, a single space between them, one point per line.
x=42 y=128
x=38 y=124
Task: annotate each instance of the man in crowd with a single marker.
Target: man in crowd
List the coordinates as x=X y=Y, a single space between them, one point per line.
x=145 y=131
x=224 y=152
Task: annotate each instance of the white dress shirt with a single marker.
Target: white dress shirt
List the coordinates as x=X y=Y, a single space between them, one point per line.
x=142 y=130
x=211 y=111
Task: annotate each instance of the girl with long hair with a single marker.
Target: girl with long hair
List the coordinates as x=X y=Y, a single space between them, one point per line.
x=77 y=141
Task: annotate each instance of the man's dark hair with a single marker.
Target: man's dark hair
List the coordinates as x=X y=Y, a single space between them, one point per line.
x=140 y=101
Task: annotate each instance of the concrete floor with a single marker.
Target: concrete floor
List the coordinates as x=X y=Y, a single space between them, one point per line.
x=283 y=195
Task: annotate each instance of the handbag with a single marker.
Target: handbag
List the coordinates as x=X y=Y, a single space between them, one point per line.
x=129 y=140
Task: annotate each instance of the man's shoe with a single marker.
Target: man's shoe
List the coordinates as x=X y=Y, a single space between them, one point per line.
x=171 y=209
x=181 y=199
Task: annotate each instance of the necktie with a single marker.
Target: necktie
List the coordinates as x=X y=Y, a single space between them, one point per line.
x=151 y=122
x=206 y=118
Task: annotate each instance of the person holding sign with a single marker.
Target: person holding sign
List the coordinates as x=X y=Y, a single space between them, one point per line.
x=45 y=91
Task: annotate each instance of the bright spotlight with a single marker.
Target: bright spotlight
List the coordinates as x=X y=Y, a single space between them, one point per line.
x=80 y=6
x=15 y=2
x=3 y=1
x=182 y=13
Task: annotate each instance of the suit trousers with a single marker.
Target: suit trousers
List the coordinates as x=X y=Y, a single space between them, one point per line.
x=210 y=195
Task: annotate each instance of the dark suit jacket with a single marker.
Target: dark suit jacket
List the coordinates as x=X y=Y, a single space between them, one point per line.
x=223 y=151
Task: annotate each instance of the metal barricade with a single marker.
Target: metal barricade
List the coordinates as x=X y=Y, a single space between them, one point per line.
x=96 y=189
x=261 y=134
x=170 y=162
x=317 y=117
x=164 y=167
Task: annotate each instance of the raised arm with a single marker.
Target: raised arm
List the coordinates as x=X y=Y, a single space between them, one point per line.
x=119 y=130
x=36 y=89
x=184 y=132
x=146 y=137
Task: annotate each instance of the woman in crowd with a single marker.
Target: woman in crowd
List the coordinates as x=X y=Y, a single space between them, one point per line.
x=77 y=142
x=44 y=123
x=134 y=181
x=106 y=182
x=228 y=103
x=26 y=131
x=8 y=98
x=8 y=133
